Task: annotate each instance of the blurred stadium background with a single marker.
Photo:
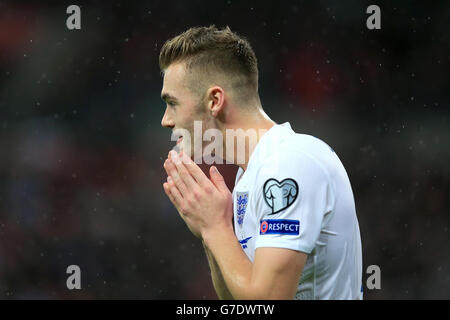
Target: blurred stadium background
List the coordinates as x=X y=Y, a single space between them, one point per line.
x=81 y=146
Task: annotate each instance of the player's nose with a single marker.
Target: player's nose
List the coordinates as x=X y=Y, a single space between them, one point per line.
x=167 y=121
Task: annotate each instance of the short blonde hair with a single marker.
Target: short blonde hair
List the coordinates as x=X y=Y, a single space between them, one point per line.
x=214 y=52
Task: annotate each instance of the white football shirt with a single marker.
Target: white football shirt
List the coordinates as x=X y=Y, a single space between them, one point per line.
x=296 y=194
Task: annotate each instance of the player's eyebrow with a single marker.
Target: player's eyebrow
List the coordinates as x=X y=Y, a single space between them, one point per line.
x=166 y=97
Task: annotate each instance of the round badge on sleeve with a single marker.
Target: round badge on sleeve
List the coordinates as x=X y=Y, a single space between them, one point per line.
x=264 y=227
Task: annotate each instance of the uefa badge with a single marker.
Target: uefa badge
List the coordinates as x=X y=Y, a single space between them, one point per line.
x=242 y=200
x=280 y=195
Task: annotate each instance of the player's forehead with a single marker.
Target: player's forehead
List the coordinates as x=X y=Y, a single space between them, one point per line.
x=174 y=74
x=173 y=79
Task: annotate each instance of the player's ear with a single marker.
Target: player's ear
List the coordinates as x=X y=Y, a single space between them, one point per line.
x=215 y=100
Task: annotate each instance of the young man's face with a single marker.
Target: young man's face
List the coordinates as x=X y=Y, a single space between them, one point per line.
x=183 y=106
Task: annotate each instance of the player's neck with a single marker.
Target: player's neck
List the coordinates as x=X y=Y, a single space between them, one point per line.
x=249 y=128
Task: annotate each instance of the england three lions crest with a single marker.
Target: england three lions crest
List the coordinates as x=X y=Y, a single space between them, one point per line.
x=241 y=206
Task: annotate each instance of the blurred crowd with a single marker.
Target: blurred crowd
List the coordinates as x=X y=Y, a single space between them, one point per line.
x=82 y=148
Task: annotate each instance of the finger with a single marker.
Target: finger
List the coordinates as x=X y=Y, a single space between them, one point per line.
x=183 y=171
x=195 y=170
x=175 y=193
x=169 y=194
x=167 y=191
x=166 y=167
x=217 y=179
x=172 y=172
x=171 y=186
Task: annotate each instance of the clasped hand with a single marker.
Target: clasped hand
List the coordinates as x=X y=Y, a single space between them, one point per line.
x=204 y=204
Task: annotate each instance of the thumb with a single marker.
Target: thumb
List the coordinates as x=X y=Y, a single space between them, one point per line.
x=217 y=179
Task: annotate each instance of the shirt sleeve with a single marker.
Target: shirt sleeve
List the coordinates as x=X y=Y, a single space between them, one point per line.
x=293 y=194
